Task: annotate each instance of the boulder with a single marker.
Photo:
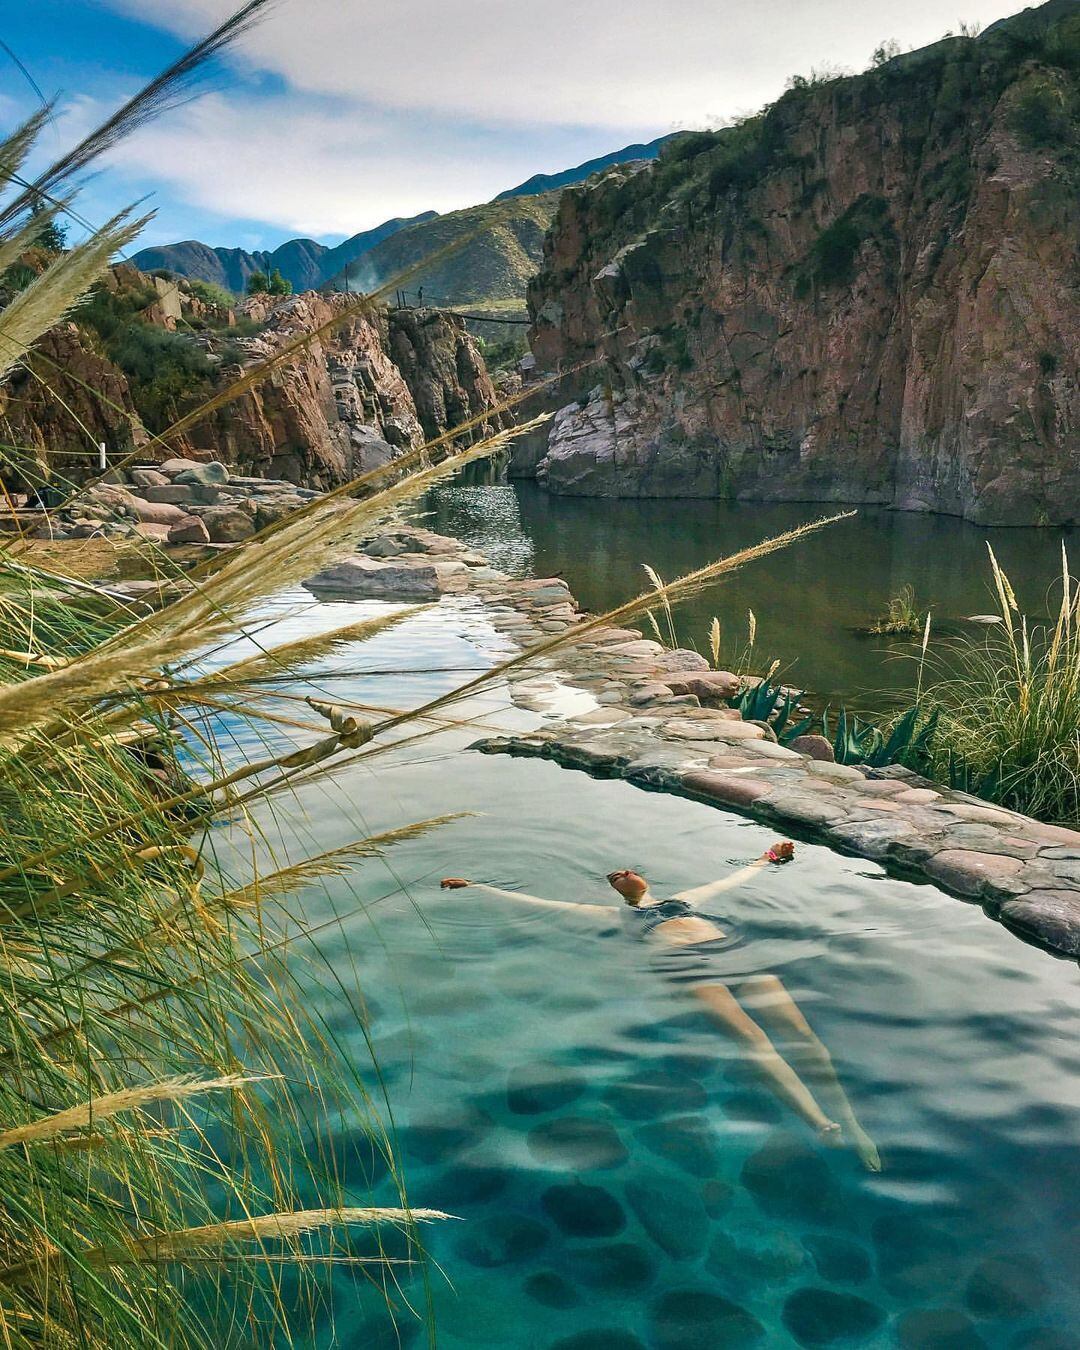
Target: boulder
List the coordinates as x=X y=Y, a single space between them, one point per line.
x=271 y=511
x=815 y=747
x=174 y=494
x=206 y=475
x=369 y=450
x=387 y=546
x=159 y=513
x=363 y=578
x=716 y=686
x=191 y=530
x=148 y=478
x=109 y=502
x=229 y=524
x=172 y=467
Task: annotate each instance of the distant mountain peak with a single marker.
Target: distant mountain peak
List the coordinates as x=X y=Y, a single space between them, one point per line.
x=309 y=265
x=549 y=182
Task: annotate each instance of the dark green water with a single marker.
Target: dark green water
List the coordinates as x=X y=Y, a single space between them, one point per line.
x=807 y=599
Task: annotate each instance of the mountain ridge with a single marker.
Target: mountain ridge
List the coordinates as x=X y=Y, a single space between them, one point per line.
x=549 y=182
x=309 y=265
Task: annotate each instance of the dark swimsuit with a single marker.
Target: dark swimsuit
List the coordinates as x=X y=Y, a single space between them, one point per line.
x=692 y=964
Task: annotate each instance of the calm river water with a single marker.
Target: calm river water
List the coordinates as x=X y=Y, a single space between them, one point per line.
x=621 y=1177
x=807 y=599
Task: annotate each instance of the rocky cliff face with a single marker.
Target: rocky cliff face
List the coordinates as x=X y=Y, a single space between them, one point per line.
x=870 y=293
x=374 y=388
x=348 y=402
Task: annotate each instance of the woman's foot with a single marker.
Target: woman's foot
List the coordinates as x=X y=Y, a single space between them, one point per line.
x=865 y=1147
x=831 y=1134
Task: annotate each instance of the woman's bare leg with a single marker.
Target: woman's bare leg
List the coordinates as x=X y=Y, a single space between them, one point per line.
x=784 y=1081
x=771 y=1002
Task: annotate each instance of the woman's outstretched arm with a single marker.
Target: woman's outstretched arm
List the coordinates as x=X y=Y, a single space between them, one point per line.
x=459 y=883
x=772 y=857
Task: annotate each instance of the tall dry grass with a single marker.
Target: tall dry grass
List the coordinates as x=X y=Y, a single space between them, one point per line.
x=1008 y=705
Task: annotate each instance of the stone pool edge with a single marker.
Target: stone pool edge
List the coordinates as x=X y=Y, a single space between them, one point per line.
x=650 y=730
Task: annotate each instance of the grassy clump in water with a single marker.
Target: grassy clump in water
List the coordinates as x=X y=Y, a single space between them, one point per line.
x=901 y=618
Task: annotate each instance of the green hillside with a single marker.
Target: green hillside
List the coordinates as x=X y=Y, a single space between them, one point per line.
x=500 y=245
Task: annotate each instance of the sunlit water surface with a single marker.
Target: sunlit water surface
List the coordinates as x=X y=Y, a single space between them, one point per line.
x=620 y=1178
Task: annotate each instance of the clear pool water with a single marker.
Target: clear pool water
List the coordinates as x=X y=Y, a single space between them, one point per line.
x=621 y=1178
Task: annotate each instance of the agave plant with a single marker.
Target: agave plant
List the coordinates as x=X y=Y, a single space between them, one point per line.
x=856 y=741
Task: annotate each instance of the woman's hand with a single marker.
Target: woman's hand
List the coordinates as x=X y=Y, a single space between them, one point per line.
x=779 y=853
x=454 y=883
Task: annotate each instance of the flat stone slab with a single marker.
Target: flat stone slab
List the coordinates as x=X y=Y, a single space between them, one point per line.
x=363 y=578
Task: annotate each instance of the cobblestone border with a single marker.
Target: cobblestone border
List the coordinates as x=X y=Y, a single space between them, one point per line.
x=643 y=724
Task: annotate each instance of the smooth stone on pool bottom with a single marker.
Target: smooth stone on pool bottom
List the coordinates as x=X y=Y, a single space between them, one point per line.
x=913 y=1257
x=579 y=1210
x=761 y=1256
x=671 y=1213
x=937 y=1329
x=837 y=1259
x=468 y=1185
x=717 y=1197
x=826 y=1317
x=615 y=1268
x=694 y=1319
x=502 y=1240
x=687 y=1141
x=577 y=1143
x=1006 y=1286
x=550 y=1289
x=654 y=1092
x=535 y=1088
x=790 y=1180
x=605 y=1338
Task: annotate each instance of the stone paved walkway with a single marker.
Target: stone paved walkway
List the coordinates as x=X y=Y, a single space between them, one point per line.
x=653 y=717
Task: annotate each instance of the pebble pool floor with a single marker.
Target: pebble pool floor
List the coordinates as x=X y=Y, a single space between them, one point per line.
x=621 y=1178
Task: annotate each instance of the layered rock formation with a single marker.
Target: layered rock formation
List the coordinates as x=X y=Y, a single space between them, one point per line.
x=867 y=294
x=350 y=400
x=375 y=387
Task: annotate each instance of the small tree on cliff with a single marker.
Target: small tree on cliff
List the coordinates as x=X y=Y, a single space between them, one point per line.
x=274 y=284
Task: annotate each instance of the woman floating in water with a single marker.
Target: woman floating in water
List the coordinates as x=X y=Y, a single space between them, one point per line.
x=690 y=948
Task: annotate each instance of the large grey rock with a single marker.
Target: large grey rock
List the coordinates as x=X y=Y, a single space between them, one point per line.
x=269 y=512
x=709 y=685
x=369 y=449
x=206 y=475
x=370 y=579
x=174 y=494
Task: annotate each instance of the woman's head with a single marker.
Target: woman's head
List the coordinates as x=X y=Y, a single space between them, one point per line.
x=632 y=886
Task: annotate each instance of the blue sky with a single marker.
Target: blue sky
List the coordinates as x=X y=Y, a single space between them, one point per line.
x=334 y=115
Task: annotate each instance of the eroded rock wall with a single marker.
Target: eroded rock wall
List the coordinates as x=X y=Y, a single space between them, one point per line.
x=358 y=395
x=870 y=294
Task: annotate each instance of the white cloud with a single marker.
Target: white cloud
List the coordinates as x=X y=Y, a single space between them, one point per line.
x=612 y=63
x=309 y=169
x=345 y=113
